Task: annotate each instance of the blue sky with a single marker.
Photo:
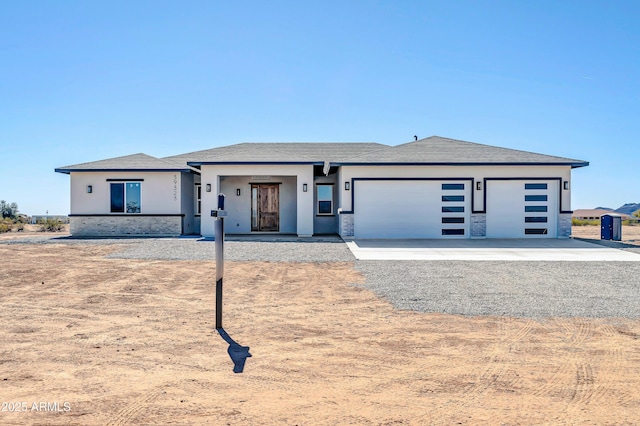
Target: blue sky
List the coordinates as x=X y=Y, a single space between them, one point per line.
x=87 y=80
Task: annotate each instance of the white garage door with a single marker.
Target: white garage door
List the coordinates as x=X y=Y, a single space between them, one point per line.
x=522 y=209
x=411 y=209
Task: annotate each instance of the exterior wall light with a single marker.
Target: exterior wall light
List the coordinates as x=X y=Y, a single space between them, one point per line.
x=89 y=189
x=238 y=192
x=566 y=185
x=479 y=185
x=347 y=186
x=208 y=187
x=304 y=187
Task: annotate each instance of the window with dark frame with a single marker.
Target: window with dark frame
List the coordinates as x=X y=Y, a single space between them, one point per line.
x=324 y=193
x=198 y=199
x=125 y=197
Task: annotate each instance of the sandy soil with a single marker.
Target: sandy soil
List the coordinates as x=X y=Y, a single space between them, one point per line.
x=119 y=342
x=630 y=234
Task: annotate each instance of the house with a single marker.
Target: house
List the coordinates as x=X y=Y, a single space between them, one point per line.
x=595 y=214
x=430 y=188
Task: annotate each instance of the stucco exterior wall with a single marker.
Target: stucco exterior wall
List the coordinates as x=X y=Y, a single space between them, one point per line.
x=130 y=225
x=302 y=173
x=160 y=192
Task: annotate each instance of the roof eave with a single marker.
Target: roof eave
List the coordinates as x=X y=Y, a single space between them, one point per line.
x=68 y=171
x=252 y=163
x=572 y=164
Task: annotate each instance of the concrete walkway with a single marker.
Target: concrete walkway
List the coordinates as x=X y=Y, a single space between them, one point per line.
x=489 y=249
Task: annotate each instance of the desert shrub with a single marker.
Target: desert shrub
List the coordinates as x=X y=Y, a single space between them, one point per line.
x=585 y=222
x=18 y=226
x=5 y=225
x=51 y=225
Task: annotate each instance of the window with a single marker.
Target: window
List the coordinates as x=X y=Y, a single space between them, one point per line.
x=452 y=209
x=453 y=198
x=453 y=186
x=453 y=232
x=535 y=208
x=536 y=219
x=325 y=199
x=535 y=198
x=535 y=186
x=198 y=199
x=453 y=220
x=125 y=195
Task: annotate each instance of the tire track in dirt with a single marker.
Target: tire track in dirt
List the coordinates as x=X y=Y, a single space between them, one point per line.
x=573 y=336
x=131 y=411
x=495 y=372
x=578 y=333
x=577 y=374
x=585 y=390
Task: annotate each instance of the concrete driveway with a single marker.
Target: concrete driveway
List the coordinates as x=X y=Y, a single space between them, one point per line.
x=488 y=249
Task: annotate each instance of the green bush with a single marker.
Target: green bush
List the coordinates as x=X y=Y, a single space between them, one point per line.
x=51 y=225
x=5 y=225
x=585 y=222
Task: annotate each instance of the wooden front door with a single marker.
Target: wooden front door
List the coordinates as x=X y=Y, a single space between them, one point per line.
x=265 y=207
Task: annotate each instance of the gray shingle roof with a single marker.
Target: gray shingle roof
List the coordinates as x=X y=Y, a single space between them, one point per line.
x=442 y=151
x=138 y=162
x=286 y=152
x=434 y=150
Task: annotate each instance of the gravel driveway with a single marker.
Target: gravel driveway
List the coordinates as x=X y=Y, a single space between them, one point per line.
x=521 y=289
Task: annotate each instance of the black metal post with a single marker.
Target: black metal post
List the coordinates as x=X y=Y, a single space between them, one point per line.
x=219 y=247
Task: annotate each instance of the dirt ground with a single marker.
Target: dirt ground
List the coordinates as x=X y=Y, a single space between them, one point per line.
x=630 y=234
x=89 y=340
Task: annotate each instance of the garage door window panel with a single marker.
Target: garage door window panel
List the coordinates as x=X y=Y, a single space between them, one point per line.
x=453 y=186
x=453 y=220
x=535 y=219
x=535 y=198
x=452 y=198
x=535 y=231
x=453 y=232
x=452 y=209
x=535 y=186
x=541 y=209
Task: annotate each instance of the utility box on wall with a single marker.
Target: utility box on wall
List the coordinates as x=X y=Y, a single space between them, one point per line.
x=611 y=227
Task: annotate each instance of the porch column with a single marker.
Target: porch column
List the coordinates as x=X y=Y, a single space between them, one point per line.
x=305 y=205
x=209 y=200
